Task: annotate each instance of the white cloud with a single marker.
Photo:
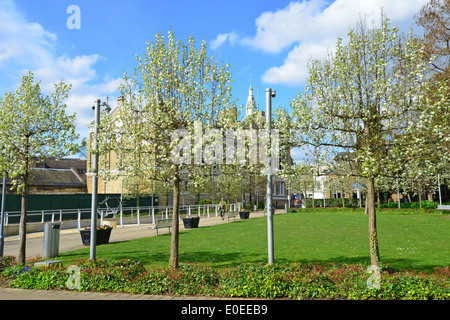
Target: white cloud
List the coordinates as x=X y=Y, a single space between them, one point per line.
x=298 y=155
x=80 y=73
x=311 y=27
x=277 y=30
x=294 y=67
x=19 y=38
x=76 y=71
x=222 y=38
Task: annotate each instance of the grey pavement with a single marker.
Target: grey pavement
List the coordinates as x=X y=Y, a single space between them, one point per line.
x=70 y=239
x=26 y=294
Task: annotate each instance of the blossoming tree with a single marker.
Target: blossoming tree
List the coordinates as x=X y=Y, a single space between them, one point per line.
x=359 y=99
x=175 y=90
x=34 y=126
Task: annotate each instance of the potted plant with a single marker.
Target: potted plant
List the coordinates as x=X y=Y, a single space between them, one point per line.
x=244 y=214
x=103 y=234
x=191 y=222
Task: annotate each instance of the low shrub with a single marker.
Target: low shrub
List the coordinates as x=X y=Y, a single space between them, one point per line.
x=7 y=261
x=412 y=205
x=334 y=202
x=295 y=281
x=204 y=201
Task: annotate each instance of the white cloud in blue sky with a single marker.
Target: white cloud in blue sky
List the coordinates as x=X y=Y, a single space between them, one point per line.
x=310 y=28
x=271 y=40
x=19 y=37
x=27 y=45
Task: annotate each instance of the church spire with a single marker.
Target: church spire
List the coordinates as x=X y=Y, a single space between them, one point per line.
x=250 y=106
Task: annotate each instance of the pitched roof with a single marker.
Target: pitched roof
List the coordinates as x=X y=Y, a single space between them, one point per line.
x=55 y=177
x=65 y=163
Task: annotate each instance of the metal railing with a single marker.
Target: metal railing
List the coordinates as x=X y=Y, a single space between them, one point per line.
x=42 y=216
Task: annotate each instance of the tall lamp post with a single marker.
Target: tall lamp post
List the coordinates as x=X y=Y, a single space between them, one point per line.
x=94 y=202
x=269 y=201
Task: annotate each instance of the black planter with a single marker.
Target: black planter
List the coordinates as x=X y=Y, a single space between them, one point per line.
x=102 y=236
x=190 y=223
x=244 y=214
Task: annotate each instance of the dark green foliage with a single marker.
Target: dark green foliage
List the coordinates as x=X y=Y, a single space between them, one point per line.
x=413 y=205
x=335 y=202
x=7 y=261
x=295 y=281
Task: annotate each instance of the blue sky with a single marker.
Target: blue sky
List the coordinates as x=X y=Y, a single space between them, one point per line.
x=269 y=40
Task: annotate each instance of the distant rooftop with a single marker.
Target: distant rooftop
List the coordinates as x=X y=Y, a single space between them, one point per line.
x=55 y=177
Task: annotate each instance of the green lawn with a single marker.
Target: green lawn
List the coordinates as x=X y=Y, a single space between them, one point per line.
x=407 y=240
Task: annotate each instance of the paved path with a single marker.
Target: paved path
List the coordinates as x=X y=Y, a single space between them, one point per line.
x=70 y=240
x=25 y=294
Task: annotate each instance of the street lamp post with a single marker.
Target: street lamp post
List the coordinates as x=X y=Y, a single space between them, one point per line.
x=269 y=201
x=94 y=202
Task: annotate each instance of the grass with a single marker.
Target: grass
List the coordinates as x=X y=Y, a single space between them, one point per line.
x=407 y=240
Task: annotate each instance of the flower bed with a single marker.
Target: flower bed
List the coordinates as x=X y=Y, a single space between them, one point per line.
x=294 y=281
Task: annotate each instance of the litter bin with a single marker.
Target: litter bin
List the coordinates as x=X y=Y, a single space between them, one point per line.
x=51 y=240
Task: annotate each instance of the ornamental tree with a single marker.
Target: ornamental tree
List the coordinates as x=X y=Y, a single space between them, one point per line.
x=175 y=91
x=359 y=99
x=434 y=18
x=34 y=126
x=301 y=178
x=425 y=145
x=417 y=180
x=431 y=133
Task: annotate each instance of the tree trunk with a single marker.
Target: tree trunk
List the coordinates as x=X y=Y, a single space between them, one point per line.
x=137 y=205
x=304 y=199
x=379 y=200
x=371 y=211
x=420 y=199
x=365 y=207
x=23 y=210
x=23 y=227
x=175 y=225
x=23 y=217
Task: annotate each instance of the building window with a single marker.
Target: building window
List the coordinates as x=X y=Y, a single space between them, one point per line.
x=279 y=189
x=337 y=194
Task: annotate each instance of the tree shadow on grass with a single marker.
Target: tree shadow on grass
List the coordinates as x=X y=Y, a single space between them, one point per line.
x=395 y=264
x=147 y=257
x=161 y=256
x=233 y=259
